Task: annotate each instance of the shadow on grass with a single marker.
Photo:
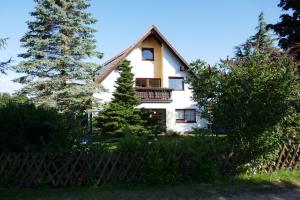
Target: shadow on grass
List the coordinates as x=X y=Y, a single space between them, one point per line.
x=238 y=188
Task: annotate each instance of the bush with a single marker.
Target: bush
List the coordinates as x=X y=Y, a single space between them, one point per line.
x=158 y=164
x=152 y=124
x=172 y=159
x=253 y=99
x=25 y=127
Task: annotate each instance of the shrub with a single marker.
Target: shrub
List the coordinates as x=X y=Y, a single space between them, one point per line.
x=152 y=124
x=172 y=159
x=158 y=164
x=25 y=127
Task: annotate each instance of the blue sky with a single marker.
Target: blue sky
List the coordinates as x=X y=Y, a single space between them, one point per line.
x=203 y=29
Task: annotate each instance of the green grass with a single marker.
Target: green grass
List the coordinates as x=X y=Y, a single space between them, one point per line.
x=261 y=183
x=111 y=142
x=278 y=177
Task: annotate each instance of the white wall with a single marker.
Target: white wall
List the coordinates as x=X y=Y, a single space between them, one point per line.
x=171 y=67
x=108 y=84
x=181 y=99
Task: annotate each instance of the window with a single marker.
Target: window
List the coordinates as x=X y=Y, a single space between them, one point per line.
x=185 y=115
x=148 y=82
x=179 y=114
x=155 y=83
x=190 y=115
x=176 y=83
x=141 y=82
x=148 y=54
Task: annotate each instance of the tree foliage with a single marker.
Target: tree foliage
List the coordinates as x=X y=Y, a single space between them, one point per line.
x=288 y=29
x=3 y=64
x=253 y=97
x=206 y=84
x=59 y=40
x=121 y=115
x=125 y=93
x=262 y=40
x=254 y=101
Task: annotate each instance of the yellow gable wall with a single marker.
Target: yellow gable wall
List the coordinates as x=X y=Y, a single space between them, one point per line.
x=152 y=42
x=146 y=68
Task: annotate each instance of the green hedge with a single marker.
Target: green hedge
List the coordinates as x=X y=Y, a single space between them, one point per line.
x=26 y=127
x=171 y=160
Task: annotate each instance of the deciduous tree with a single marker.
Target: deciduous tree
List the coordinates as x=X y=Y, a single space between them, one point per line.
x=254 y=97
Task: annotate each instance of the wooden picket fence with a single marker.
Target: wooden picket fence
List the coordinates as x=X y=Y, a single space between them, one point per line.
x=56 y=170
x=32 y=169
x=288 y=158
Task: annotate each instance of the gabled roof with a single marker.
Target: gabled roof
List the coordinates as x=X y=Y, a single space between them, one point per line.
x=112 y=64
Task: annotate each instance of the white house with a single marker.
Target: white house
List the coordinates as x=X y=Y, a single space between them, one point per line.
x=159 y=72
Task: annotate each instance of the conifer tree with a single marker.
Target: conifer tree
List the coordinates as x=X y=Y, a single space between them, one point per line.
x=262 y=40
x=121 y=115
x=288 y=28
x=59 y=40
x=3 y=64
x=125 y=93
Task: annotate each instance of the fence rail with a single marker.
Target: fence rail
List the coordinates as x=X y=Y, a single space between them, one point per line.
x=288 y=158
x=32 y=169
x=52 y=169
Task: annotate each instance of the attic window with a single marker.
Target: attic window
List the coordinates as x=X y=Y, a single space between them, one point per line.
x=148 y=54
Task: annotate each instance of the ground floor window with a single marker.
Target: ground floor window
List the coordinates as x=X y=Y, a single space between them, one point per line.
x=185 y=115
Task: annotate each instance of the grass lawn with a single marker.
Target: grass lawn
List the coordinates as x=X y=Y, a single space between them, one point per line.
x=111 y=142
x=274 y=182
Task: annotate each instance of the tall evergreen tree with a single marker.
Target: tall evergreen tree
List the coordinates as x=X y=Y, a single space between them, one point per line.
x=3 y=64
x=59 y=39
x=288 y=29
x=121 y=115
x=262 y=40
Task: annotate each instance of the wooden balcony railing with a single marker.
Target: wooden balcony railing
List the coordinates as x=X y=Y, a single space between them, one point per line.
x=154 y=95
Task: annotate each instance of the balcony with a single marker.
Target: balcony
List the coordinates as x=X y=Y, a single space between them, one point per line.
x=154 y=95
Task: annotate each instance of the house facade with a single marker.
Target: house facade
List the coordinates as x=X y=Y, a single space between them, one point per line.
x=159 y=72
